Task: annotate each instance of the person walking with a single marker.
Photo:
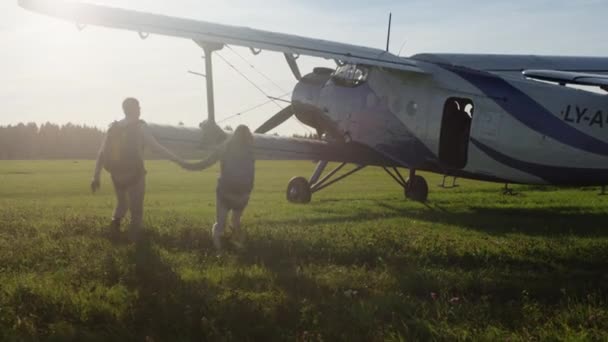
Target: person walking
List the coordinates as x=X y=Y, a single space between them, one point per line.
x=121 y=154
x=235 y=183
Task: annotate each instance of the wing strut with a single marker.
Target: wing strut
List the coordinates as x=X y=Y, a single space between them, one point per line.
x=212 y=133
x=209 y=49
x=293 y=65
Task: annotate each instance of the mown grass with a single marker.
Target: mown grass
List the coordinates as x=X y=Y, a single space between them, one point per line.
x=358 y=263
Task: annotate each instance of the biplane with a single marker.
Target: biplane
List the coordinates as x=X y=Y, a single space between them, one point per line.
x=502 y=118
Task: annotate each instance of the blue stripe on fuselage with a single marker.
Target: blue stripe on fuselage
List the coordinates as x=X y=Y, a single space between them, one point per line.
x=529 y=112
x=551 y=174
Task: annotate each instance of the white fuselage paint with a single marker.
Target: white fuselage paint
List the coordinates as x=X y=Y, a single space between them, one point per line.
x=417 y=103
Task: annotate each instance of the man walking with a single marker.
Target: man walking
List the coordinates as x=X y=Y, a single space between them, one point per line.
x=121 y=154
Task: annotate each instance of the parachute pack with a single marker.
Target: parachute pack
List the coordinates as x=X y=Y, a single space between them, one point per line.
x=123 y=153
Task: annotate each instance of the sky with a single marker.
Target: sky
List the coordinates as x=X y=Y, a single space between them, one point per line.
x=51 y=71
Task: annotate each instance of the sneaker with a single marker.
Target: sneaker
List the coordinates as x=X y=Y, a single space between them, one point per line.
x=216 y=237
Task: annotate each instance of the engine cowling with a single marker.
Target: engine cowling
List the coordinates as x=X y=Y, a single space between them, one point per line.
x=305 y=100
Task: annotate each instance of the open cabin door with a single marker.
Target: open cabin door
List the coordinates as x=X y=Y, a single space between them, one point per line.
x=455 y=132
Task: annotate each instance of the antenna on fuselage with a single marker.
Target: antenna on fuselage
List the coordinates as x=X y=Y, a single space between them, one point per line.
x=388 y=38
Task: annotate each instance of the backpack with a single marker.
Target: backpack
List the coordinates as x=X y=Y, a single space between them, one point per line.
x=122 y=154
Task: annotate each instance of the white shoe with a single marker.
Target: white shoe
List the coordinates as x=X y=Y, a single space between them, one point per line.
x=216 y=237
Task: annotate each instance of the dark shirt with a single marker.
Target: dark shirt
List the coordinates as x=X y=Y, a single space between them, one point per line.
x=237 y=168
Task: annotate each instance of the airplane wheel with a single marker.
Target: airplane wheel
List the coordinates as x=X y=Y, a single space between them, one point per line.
x=298 y=191
x=417 y=189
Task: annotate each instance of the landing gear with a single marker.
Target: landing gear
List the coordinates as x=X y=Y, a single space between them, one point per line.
x=454 y=185
x=508 y=191
x=298 y=191
x=414 y=188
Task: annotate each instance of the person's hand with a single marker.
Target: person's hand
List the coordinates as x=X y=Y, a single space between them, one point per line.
x=187 y=166
x=95 y=184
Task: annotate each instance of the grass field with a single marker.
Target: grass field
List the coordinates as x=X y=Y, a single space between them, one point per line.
x=358 y=263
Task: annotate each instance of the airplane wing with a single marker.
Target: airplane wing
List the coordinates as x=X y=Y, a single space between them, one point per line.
x=278 y=148
x=517 y=63
x=205 y=32
x=568 y=77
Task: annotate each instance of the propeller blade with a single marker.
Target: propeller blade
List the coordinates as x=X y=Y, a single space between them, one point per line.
x=276 y=120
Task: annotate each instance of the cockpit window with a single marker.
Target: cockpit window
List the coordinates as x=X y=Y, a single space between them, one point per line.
x=350 y=75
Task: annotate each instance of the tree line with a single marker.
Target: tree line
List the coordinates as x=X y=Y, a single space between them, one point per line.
x=49 y=141
x=69 y=141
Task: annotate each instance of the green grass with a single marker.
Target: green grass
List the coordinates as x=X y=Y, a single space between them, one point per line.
x=358 y=263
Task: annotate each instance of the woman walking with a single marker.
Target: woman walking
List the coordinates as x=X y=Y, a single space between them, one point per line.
x=235 y=183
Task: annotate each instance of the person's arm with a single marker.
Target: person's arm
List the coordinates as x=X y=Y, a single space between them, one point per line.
x=150 y=141
x=96 y=182
x=205 y=163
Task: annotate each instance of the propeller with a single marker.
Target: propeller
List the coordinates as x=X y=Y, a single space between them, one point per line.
x=280 y=117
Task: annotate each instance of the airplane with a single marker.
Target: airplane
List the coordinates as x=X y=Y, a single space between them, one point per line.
x=520 y=119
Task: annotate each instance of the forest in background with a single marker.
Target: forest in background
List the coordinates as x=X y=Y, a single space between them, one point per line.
x=53 y=142
x=49 y=141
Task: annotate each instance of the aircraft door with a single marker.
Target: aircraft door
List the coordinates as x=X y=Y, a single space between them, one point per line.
x=455 y=132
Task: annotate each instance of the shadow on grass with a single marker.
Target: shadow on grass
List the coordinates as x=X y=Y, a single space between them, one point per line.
x=484 y=281
x=485 y=284
x=243 y=307
x=166 y=306
x=543 y=222
x=170 y=308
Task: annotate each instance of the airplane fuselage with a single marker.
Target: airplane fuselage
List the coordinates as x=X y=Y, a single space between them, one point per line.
x=468 y=123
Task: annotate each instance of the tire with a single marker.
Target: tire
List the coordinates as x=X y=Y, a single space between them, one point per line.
x=417 y=189
x=298 y=191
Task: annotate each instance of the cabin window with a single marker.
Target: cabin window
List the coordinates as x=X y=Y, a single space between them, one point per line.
x=350 y=75
x=455 y=130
